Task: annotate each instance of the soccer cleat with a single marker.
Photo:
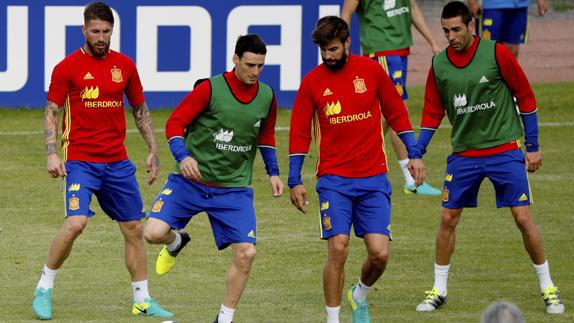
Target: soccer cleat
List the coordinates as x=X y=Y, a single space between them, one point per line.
x=423 y=189
x=551 y=297
x=432 y=301
x=42 y=304
x=360 y=310
x=150 y=307
x=166 y=259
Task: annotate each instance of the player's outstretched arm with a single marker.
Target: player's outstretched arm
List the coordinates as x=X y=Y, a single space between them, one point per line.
x=142 y=118
x=55 y=166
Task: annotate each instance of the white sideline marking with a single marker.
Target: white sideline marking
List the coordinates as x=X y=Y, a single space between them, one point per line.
x=279 y=129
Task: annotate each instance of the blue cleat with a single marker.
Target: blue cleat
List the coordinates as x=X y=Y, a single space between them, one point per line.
x=150 y=307
x=360 y=310
x=423 y=189
x=42 y=304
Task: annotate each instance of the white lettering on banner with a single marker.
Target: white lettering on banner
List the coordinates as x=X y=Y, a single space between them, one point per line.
x=148 y=20
x=57 y=18
x=16 y=74
x=288 y=54
x=326 y=10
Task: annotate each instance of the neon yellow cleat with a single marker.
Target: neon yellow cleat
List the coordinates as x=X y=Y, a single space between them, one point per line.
x=166 y=259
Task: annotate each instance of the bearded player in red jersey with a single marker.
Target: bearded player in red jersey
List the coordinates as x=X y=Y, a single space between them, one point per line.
x=346 y=98
x=89 y=85
x=474 y=82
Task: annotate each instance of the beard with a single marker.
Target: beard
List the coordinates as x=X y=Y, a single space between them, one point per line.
x=335 y=65
x=98 y=53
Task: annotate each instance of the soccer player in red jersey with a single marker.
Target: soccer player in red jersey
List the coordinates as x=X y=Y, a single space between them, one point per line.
x=474 y=82
x=89 y=85
x=346 y=98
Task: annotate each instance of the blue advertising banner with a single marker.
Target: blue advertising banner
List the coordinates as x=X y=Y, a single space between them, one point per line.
x=173 y=43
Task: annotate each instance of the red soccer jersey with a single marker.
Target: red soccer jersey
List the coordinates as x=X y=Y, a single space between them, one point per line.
x=511 y=72
x=345 y=107
x=92 y=93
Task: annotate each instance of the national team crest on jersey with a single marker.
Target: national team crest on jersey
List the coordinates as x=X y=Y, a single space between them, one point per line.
x=327 y=222
x=117 y=75
x=157 y=206
x=73 y=203
x=360 y=86
x=445 y=195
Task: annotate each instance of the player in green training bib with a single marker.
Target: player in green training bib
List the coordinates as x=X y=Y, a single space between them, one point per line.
x=213 y=135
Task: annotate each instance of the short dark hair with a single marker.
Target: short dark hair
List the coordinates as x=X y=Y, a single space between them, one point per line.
x=250 y=43
x=329 y=28
x=98 y=11
x=457 y=9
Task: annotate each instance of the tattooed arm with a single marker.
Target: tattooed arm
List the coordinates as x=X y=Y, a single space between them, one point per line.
x=55 y=165
x=142 y=118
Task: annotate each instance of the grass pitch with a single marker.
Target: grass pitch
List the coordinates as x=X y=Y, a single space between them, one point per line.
x=489 y=263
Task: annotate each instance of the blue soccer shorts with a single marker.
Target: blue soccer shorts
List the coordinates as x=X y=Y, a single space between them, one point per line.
x=230 y=210
x=396 y=67
x=114 y=185
x=364 y=203
x=505 y=25
x=506 y=171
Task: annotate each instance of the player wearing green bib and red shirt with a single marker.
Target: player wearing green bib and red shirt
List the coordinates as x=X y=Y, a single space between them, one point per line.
x=213 y=135
x=474 y=82
x=385 y=30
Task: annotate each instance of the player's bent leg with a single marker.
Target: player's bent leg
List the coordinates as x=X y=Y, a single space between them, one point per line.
x=159 y=232
x=60 y=249
x=64 y=240
x=530 y=233
x=243 y=255
x=360 y=309
x=334 y=273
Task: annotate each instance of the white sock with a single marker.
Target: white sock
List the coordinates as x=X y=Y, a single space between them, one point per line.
x=333 y=314
x=543 y=272
x=225 y=314
x=48 y=277
x=440 y=278
x=409 y=180
x=360 y=292
x=175 y=244
x=140 y=291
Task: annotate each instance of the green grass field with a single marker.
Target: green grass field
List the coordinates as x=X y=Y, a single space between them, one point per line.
x=489 y=263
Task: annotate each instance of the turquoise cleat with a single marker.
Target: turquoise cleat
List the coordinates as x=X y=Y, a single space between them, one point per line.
x=150 y=307
x=42 y=304
x=423 y=189
x=360 y=310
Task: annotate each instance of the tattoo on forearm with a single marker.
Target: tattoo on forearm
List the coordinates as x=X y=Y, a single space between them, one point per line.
x=143 y=122
x=50 y=127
